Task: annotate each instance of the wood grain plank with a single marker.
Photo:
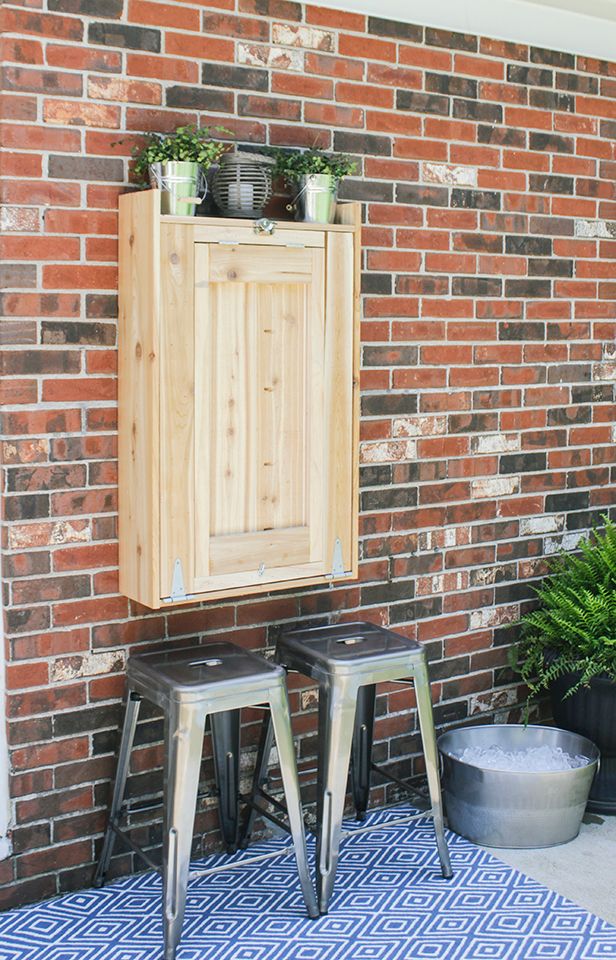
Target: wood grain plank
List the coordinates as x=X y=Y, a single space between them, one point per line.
x=342 y=385
x=263 y=549
x=138 y=397
x=177 y=367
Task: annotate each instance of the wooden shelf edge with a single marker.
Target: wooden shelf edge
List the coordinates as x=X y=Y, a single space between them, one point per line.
x=343 y=224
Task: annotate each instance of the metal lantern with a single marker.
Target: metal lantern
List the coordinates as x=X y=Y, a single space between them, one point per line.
x=242 y=184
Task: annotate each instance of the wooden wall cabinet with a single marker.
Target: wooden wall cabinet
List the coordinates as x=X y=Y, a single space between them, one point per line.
x=238 y=404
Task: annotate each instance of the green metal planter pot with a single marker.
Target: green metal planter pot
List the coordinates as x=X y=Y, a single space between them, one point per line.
x=591 y=712
x=182 y=184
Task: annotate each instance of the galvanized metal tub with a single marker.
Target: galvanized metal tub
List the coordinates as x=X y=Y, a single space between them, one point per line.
x=506 y=808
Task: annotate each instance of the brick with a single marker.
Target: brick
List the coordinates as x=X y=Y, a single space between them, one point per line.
x=39 y=362
x=451 y=40
x=362 y=143
x=82 y=58
x=38 y=248
x=548 y=100
x=276 y=58
x=23 y=21
x=550 y=141
x=321 y=113
x=422 y=102
x=112 y=88
x=155 y=14
x=88 y=8
x=312 y=38
x=85 y=168
x=124 y=36
x=547 y=184
x=334 y=18
x=197 y=46
x=21 y=275
x=479 y=199
x=18 y=108
x=44 y=860
x=57 y=276
x=195 y=98
x=396 y=29
x=282 y=9
x=35 y=138
x=531 y=76
x=432 y=196
x=244 y=78
x=68 y=112
x=394 y=76
x=89 y=611
x=21 y=50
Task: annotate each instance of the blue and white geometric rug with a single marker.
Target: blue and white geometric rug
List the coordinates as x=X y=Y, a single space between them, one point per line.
x=389 y=903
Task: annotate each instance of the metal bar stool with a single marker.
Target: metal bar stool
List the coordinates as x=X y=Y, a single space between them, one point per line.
x=216 y=679
x=347 y=661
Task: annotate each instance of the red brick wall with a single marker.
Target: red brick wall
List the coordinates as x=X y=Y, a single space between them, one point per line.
x=487 y=171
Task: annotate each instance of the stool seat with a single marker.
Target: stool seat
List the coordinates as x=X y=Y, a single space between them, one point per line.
x=347 y=647
x=211 y=670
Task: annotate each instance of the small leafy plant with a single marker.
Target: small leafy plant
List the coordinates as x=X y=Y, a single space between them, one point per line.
x=191 y=143
x=294 y=164
x=573 y=631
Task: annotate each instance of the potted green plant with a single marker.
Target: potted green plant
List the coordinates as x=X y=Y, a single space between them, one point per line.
x=315 y=176
x=568 y=648
x=176 y=163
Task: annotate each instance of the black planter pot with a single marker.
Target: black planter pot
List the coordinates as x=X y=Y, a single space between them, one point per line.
x=591 y=711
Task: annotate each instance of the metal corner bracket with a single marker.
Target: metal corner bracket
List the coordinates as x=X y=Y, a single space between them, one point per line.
x=178 y=591
x=337 y=563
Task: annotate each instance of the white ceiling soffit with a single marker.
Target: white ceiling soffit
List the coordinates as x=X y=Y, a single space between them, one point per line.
x=587 y=27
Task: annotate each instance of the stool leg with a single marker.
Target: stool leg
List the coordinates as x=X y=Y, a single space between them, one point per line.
x=428 y=737
x=226 y=747
x=280 y=713
x=133 y=703
x=184 y=727
x=336 y=716
x=260 y=775
x=361 y=752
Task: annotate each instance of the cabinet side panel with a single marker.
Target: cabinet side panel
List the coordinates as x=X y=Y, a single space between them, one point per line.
x=340 y=406
x=177 y=406
x=138 y=397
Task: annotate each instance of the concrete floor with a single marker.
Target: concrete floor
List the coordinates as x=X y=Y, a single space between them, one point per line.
x=583 y=870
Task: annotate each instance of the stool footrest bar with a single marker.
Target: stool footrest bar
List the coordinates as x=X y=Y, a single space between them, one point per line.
x=411 y=791
x=268 y=816
x=242 y=863
x=135 y=848
x=400 y=821
x=273 y=800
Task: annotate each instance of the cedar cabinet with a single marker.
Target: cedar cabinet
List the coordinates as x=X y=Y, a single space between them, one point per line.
x=238 y=404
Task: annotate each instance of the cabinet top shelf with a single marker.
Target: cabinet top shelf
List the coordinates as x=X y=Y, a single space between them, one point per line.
x=348 y=217
x=240 y=222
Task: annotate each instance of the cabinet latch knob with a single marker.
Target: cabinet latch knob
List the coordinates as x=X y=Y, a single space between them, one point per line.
x=265 y=225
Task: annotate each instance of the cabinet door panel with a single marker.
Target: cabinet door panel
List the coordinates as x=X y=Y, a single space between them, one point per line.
x=259 y=393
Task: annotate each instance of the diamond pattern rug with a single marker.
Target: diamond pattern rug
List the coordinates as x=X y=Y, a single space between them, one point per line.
x=390 y=903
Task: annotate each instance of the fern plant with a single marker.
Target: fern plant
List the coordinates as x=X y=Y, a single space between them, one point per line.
x=573 y=630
